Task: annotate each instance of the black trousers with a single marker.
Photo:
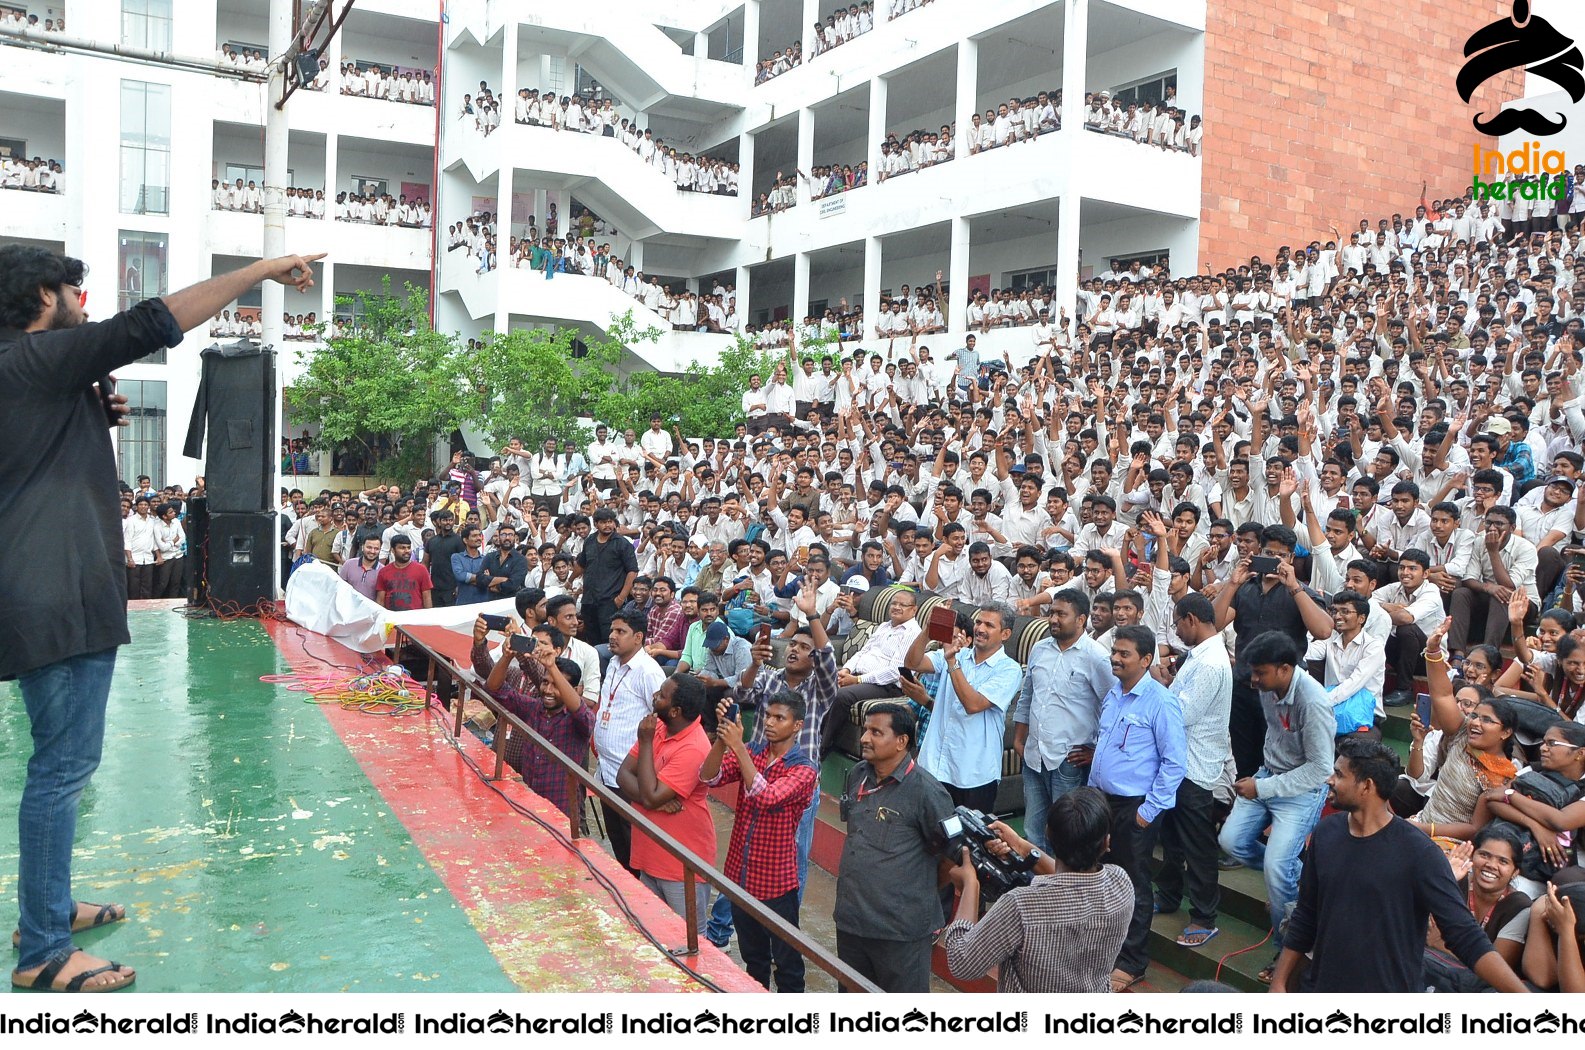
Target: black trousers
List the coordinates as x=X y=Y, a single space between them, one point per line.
x=597 y=617
x=168 y=578
x=1247 y=728
x=1187 y=833
x=1406 y=654
x=620 y=832
x=140 y=582
x=841 y=711
x=981 y=798
x=892 y=966
x=763 y=950
x=1131 y=852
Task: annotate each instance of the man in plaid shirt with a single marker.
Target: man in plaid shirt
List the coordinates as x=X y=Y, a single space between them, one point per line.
x=761 y=856
x=810 y=672
x=542 y=695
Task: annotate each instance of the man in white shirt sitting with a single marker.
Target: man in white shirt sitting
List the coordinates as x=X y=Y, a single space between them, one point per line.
x=872 y=672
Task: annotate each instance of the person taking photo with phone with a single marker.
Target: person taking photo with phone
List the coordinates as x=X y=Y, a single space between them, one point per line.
x=778 y=780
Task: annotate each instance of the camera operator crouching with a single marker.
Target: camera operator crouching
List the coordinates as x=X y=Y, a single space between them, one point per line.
x=1061 y=932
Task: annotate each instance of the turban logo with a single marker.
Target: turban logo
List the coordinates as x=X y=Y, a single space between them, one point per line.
x=1527 y=42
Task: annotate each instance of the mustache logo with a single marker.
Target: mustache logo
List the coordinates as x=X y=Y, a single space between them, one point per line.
x=1533 y=44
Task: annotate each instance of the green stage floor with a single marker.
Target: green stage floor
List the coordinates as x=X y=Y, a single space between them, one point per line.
x=251 y=851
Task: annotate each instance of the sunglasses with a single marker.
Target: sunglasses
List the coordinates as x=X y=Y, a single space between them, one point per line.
x=82 y=296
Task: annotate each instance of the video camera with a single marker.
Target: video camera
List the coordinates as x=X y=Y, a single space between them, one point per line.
x=970 y=828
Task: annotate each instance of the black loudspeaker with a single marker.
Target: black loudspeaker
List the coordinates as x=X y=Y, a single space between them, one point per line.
x=197 y=568
x=236 y=404
x=242 y=551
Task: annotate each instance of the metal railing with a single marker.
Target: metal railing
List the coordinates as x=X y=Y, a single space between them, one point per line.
x=694 y=867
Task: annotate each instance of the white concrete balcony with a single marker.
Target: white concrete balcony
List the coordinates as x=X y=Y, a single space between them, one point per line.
x=1103 y=167
x=589 y=302
x=616 y=41
x=324 y=112
x=628 y=193
x=34 y=216
x=355 y=243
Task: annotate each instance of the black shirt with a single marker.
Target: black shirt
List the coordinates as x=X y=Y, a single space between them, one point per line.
x=1257 y=610
x=1363 y=905
x=55 y=452
x=887 y=886
x=605 y=568
x=514 y=567
x=367 y=532
x=439 y=550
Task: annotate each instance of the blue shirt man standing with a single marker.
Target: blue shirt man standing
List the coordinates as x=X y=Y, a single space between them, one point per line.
x=1139 y=763
x=977 y=683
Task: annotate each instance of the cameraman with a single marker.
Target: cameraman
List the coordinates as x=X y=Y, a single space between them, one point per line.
x=1062 y=932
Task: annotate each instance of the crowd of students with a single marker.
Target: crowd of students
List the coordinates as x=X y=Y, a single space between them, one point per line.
x=35 y=176
x=18 y=19
x=840 y=26
x=1273 y=505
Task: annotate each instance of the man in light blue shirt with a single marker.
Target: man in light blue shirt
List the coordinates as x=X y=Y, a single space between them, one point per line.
x=976 y=687
x=1059 y=708
x=1139 y=757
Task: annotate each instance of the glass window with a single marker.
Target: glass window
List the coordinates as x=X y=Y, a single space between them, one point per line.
x=146 y=23
x=140 y=446
x=145 y=148
x=141 y=274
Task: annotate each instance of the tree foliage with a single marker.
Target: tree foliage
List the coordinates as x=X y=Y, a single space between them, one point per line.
x=533 y=386
x=392 y=375
x=707 y=399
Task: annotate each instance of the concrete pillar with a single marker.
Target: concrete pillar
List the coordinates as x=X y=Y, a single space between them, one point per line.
x=635 y=253
x=878 y=96
x=958 y=276
x=1076 y=31
x=701 y=45
x=327 y=290
x=967 y=103
x=740 y=287
x=805 y=34
x=1069 y=219
x=806 y=150
x=873 y=256
x=750 y=36
x=800 y=303
x=333 y=175
x=745 y=173
x=540 y=205
x=544 y=72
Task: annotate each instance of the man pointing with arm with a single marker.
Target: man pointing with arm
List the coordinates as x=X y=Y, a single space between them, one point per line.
x=61 y=621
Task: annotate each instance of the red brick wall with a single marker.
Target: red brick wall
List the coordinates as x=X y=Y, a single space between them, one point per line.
x=1302 y=131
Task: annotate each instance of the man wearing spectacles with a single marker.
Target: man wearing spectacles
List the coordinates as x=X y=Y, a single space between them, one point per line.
x=62 y=621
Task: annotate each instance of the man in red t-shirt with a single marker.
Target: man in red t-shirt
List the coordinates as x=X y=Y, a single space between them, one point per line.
x=661 y=776
x=404 y=583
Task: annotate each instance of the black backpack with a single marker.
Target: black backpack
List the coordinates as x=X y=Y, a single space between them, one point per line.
x=1552 y=789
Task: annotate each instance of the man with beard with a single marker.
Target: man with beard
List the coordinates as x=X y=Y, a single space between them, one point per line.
x=63 y=618
x=504 y=568
x=1409 y=881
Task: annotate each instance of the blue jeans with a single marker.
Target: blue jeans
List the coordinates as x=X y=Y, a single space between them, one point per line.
x=66 y=706
x=719 y=929
x=1043 y=788
x=1291 y=821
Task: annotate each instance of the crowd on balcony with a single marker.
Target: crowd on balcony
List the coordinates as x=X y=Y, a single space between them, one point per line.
x=379 y=209
x=17 y=19
x=247 y=324
x=1154 y=123
x=37 y=175
x=392 y=83
x=840 y=26
x=247 y=59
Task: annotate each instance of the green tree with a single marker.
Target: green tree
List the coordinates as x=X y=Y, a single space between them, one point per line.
x=535 y=387
x=707 y=399
x=390 y=376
